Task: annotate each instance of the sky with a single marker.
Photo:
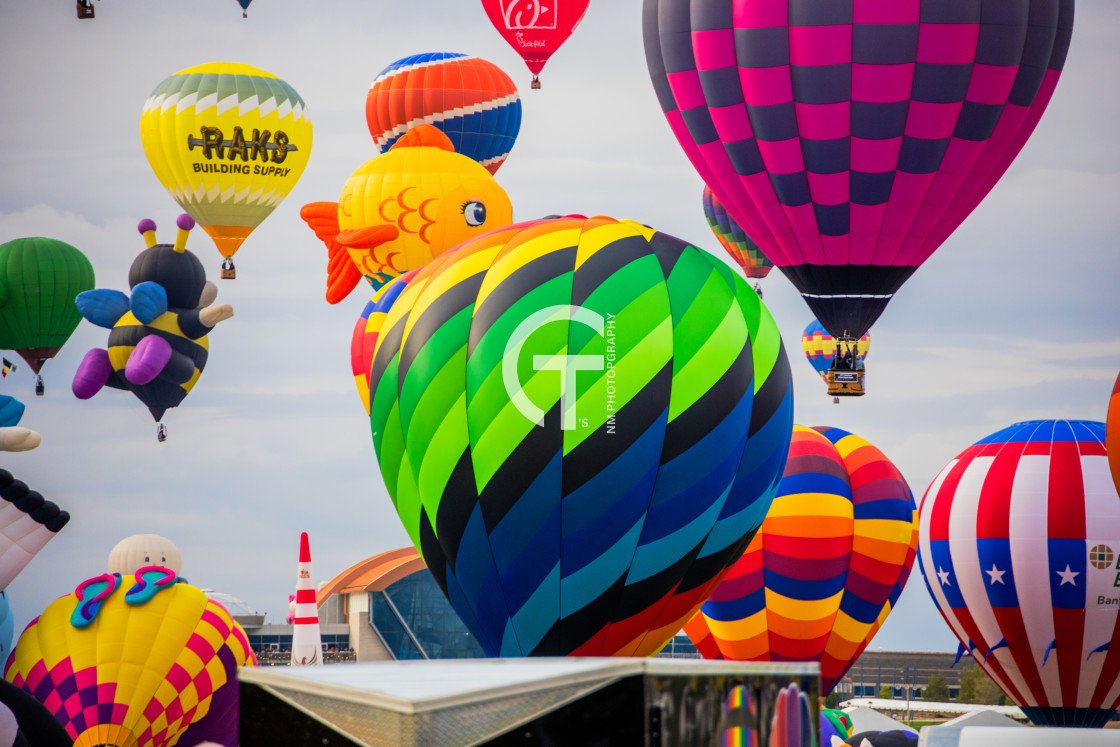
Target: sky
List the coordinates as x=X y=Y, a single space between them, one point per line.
x=1012 y=319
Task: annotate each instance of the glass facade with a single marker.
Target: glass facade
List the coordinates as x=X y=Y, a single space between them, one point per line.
x=416 y=621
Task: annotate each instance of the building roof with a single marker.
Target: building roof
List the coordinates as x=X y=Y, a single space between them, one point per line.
x=373 y=574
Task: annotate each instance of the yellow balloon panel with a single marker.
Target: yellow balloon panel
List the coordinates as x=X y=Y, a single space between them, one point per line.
x=229 y=142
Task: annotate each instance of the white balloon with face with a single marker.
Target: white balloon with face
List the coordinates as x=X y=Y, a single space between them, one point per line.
x=139 y=550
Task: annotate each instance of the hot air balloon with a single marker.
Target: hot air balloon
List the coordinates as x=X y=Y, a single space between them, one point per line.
x=39 y=278
x=12 y=437
x=27 y=524
x=826 y=568
x=144 y=660
x=400 y=209
x=734 y=240
x=158 y=345
x=229 y=142
x=1019 y=539
x=849 y=140
x=580 y=423
x=244 y=7
x=139 y=550
x=366 y=330
x=831 y=360
x=535 y=29
x=1112 y=433
x=469 y=99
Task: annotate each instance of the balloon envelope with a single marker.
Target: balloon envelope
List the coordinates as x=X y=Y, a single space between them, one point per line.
x=39 y=279
x=826 y=568
x=1112 y=433
x=593 y=521
x=471 y=100
x=733 y=239
x=120 y=672
x=1019 y=540
x=850 y=139
x=229 y=142
x=820 y=347
x=534 y=29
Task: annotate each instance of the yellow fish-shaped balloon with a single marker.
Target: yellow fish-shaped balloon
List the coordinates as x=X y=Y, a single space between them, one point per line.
x=404 y=207
x=229 y=142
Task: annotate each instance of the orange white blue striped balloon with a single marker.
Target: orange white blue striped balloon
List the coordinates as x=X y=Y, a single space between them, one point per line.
x=827 y=566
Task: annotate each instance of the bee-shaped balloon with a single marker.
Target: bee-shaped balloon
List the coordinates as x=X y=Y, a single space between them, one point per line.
x=158 y=346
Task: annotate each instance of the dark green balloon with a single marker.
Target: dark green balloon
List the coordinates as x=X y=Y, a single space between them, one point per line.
x=39 y=279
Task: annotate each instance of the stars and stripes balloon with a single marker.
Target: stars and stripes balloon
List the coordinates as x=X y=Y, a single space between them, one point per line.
x=850 y=139
x=826 y=568
x=471 y=100
x=733 y=239
x=229 y=142
x=1019 y=543
x=581 y=423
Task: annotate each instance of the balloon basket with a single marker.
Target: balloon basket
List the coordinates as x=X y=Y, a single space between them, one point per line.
x=835 y=400
x=161 y=433
x=536 y=84
x=39 y=388
x=85 y=11
x=229 y=272
x=845 y=383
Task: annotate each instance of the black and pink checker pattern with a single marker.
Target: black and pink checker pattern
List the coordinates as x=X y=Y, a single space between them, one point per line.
x=850 y=138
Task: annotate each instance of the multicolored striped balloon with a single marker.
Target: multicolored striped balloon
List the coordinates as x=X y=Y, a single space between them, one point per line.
x=143 y=661
x=820 y=347
x=470 y=99
x=733 y=239
x=850 y=139
x=366 y=330
x=581 y=423
x=1112 y=433
x=1020 y=549
x=827 y=566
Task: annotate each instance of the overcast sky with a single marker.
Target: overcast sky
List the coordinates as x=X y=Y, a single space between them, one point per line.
x=1014 y=318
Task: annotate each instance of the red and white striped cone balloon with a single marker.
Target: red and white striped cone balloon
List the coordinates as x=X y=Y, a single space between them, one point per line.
x=307 y=643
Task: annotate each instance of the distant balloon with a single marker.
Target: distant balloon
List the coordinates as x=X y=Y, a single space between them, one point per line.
x=1112 y=433
x=820 y=347
x=826 y=568
x=400 y=209
x=139 y=550
x=1019 y=546
x=535 y=29
x=244 y=7
x=158 y=344
x=27 y=523
x=469 y=99
x=849 y=140
x=733 y=239
x=229 y=142
x=38 y=281
x=580 y=432
x=145 y=660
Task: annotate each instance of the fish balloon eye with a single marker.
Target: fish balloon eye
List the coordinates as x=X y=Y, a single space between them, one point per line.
x=474 y=212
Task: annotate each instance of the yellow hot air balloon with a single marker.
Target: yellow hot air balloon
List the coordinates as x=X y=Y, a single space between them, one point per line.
x=229 y=142
x=144 y=663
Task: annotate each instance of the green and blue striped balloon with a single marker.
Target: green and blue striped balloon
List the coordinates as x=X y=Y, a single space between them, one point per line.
x=582 y=423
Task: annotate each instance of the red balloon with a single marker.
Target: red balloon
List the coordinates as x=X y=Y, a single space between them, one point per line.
x=534 y=29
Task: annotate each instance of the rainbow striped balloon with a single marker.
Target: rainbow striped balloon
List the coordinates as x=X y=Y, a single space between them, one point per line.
x=470 y=99
x=733 y=239
x=1019 y=547
x=581 y=423
x=368 y=327
x=827 y=566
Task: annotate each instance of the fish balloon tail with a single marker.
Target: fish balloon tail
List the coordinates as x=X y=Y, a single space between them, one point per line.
x=342 y=274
